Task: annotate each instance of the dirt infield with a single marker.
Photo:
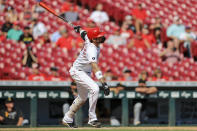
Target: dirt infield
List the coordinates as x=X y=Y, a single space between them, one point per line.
x=104 y=129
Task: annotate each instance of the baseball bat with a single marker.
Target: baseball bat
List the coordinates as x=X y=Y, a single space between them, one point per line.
x=42 y=4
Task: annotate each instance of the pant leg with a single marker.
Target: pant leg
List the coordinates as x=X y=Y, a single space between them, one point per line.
x=137 y=111
x=87 y=84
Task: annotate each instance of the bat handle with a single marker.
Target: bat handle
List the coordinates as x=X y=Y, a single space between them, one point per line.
x=68 y=22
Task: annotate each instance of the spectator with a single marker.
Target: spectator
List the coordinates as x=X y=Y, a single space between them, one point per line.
x=26 y=37
x=71 y=14
x=2 y=5
x=116 y=39
x=140 y=16
x=171 y=53
x=125 y=32
x=54 y=75
x=38 y=28
x=139 y=42
x=10 y=115
x=142 y=88
x=99 y=16
x=158 y=76
x=2 y=36
x=146 y=35
x=29 y=58
x=26 y=15
x=36 y=76
x=15 y=32
x=66 y=6
x=65 y=42
x=37 y=9
x=157 y=29
x=187 y=37
x=90 y=24
x=175 y=30
x=108 y=75
x=56 y=35
x=126 y=75
x=129 y=20
x=11 y=13
x=45 y=39
x=7 y=25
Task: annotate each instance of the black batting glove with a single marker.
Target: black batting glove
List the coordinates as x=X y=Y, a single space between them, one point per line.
x=77 y=29
x=105 y=88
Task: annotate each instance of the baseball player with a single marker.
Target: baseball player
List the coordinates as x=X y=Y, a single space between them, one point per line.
x=81 y=73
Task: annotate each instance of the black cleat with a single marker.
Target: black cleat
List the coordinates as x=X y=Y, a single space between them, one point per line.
x=95 y=123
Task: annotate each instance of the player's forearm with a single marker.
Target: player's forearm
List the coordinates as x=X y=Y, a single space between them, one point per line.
x=141 y=90
x=20 y=121
x=1 y=118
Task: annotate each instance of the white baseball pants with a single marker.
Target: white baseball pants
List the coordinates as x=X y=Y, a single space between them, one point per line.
x=85 y=84
x=137 y=111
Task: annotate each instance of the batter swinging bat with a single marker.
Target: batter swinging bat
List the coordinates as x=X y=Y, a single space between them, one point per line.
x=42 y=4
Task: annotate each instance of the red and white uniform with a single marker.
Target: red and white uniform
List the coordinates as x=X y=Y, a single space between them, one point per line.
x=81 y=73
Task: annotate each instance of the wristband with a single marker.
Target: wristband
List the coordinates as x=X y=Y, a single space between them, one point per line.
x=98 y=75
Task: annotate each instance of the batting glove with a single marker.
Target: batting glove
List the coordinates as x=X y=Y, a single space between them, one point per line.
x=105 y=88
x=77 y=29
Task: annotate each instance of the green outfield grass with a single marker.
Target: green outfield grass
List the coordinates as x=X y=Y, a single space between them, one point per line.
x=104 y=129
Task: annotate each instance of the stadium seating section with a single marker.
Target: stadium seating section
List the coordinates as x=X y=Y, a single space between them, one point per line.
x=115 y=58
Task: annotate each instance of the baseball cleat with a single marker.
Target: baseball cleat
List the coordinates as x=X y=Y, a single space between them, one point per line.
x=95 y=123
x=70 y=125
x=137 y=123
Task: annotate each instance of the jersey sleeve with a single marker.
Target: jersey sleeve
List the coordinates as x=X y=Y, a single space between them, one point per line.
x=91 y=54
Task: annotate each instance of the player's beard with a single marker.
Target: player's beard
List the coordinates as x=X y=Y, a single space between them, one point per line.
x=99 y=40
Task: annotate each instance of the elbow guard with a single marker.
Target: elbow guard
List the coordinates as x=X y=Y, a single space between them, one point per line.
x=83 y=33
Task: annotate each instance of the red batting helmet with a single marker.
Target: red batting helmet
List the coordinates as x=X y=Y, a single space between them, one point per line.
x=94 y=33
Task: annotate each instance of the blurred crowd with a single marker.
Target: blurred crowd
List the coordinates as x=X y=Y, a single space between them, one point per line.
x=133 y=32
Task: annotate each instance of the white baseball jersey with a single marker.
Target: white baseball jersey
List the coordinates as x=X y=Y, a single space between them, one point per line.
x=88 y=54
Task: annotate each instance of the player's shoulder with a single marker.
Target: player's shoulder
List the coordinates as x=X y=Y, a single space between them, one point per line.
x=91 y=47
